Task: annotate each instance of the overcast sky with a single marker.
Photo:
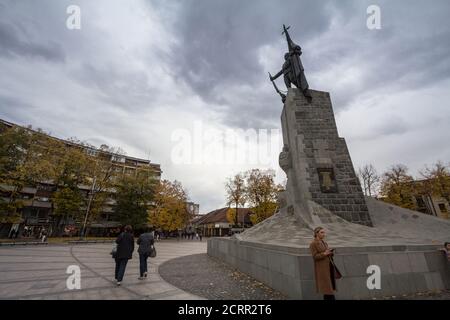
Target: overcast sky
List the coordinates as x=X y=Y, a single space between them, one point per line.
x=145 y=75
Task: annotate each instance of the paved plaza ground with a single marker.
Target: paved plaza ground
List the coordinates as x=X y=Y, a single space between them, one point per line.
x=39 y=272
x=181 y=271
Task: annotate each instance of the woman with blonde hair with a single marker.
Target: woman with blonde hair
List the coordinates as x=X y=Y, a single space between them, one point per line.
x=324 y=268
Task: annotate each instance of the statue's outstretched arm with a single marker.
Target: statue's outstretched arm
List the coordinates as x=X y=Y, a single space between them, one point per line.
x=277 y=75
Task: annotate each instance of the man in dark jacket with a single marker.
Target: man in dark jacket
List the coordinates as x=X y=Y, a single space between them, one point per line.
x=145 y=242
x=125 y=248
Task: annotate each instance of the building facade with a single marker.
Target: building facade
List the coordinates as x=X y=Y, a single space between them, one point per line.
x=38 y=208
x=433 y=205
x=216 y=224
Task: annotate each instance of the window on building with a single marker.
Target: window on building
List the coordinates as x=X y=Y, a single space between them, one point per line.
x=42 y=214
x=442 y=207
x=421 y=206
x=117 y=158
x=420 y=202
x=92 y=152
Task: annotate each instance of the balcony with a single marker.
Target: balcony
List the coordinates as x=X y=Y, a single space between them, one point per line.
x=34 y=220
x=41 y=204
x=29 y=190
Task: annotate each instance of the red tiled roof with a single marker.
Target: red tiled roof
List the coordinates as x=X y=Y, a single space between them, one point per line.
x=220 y=215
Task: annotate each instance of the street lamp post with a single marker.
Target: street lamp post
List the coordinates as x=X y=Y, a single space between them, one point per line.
x=83 y=230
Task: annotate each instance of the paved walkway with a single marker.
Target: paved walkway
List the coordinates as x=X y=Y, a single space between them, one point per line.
x=35 y=272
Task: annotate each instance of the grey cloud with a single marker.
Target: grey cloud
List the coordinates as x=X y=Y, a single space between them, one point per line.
x=219 y=42
x=390 y=126
x=128 y=90
x=13 y=43
x=13 y=108
x=409 y=52
x=256 y=109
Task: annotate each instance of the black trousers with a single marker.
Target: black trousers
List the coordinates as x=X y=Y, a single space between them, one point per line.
x=329 y=297
x=143 y=263
x=121 y=265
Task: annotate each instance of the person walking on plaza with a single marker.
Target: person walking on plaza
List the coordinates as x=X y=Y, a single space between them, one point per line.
x=125 y=248
x=324 y=269
x=146 y=241
x=43 y=235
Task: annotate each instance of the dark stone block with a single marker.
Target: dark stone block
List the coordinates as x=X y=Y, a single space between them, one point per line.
x=436 y=261
x=356 y=265
x=363 y=216
x=309 y=291
x=399 y=248
x=419 y=281
x=306 y=265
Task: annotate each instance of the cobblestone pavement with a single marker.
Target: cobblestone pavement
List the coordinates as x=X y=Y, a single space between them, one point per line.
x=204 y=276
x=35 y=272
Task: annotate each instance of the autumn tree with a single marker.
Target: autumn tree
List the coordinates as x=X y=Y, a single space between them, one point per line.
x=23 y=162
x=236 y=193
x=71 y=167
x=14 y=143
x=397 y=187
x=68 y=202
x=370 y=179
x=231 y=215
x=262 y=194
x=101 y=177
x=436 y=181
x=134 y=196
x=257 y=188
x=169 y=211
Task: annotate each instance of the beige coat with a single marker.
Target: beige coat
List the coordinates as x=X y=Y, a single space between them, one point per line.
x=322 y=271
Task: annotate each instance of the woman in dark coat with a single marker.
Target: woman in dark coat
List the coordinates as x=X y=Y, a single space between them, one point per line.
x=125 y=248
x=323 y=267
x=145 y=241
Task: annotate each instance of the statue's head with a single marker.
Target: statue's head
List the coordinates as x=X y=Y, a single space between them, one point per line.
x=286 y=56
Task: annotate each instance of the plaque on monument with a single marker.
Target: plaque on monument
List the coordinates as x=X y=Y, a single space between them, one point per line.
x=327 y=180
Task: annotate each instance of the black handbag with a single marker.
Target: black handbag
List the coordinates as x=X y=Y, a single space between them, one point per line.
x=337 y=273
x=152 y=251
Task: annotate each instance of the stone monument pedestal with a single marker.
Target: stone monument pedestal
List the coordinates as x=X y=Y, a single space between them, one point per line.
x=317 y=163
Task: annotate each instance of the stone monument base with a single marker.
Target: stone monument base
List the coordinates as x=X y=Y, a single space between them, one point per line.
x=403 y=243
x=404 y=269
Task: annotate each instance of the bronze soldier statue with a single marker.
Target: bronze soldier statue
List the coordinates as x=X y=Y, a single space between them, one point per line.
x=292 y=69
